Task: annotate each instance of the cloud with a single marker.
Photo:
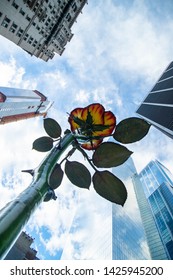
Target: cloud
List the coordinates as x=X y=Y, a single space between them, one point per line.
x=82 y=97
x=121 y=40
x=155 y=145
x=11 y=74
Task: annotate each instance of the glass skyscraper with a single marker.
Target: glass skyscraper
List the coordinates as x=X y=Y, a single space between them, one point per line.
x=157 y=107
x=102 y=230
x=154 y=190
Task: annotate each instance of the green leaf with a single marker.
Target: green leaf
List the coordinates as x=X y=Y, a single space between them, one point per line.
x=131 y=130
x=99 y=127
x=78 y=121
x=89 y=119
x=52 y=128
x=78 y=174
x=110 y=187
x=110 y=154
x=56 y=177
x=43 y=144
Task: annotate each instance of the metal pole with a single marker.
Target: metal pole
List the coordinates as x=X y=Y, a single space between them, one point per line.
x=15 y=215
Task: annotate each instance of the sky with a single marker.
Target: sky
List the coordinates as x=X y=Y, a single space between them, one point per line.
x=118 y=52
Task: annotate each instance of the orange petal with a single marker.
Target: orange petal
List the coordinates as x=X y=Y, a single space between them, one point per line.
x=109 y=119
x=93 y=146
x=96 y=110
x=75 y=113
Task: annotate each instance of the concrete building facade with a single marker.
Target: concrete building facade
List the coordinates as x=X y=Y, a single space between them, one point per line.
x=20 y=104
x=40 y=27
x=22 y=250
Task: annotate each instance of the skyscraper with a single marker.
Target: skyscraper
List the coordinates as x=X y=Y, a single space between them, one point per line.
x=154 y=190
x=102 y=230
x=19 y=104
x=40 y=27
x=157 y=107
x=21 y=249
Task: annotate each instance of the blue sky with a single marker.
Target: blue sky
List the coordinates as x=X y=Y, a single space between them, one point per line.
x=118 y=51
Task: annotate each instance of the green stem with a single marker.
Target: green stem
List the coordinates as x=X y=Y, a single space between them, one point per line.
x=86 y=156
x=15 y=215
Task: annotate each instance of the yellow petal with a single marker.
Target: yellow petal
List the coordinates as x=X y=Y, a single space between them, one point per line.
x=109 y=119
x=75 y=113
x=96 y=110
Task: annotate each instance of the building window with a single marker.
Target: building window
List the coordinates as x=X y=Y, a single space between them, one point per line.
x=20 y=32
x=74 y=7
x=22 y=12
x=13 y=28
x=36 y=7
x=30 y=3
x=30 y=40
x=45 y=16
x=28 y=18
x=26 y=36
x=37 y=27
x=5 y=22
x=15 y=5
x=61 y=41
x=68 y=17
x=39 y=47
x=34 y=43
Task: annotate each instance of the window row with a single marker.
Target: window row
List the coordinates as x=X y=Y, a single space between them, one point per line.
x=5 y=23
x=21 y=11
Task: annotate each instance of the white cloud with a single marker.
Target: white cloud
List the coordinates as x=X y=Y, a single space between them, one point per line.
x=82 y=97
x=155 y=145
x=124 y=40
x=10 y=73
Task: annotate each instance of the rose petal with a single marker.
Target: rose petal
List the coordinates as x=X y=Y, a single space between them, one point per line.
x=109 y=119
x=75 y=113
x=93 y=146
x=97 y=112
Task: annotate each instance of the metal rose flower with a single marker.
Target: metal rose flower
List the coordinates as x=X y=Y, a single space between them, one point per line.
x=92 y=121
